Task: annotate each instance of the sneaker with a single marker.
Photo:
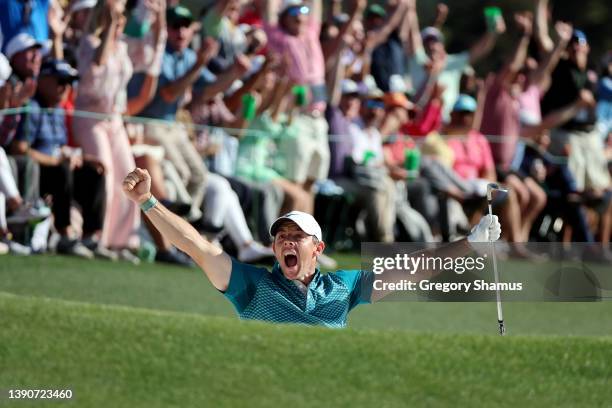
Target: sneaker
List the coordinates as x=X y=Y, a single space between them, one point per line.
x=99 y=251
x=67 y=246
x=15 y=248
x=254 y=252
x=327 y=262
x=174 y=257
x=29 y=213
x=4 y=248
x=127 y=255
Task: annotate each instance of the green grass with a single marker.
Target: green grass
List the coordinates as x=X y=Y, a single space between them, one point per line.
x=158 y=336
x=125 y=357
x=187 y=290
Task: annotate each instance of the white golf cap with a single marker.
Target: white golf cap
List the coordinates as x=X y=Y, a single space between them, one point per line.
x=305 y=221
x=349 y=86
x=288 y=4
x=82 y=5
x=5 y=69
x=21 y=42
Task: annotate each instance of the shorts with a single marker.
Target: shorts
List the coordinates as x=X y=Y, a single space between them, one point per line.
x=587 y=161
x=304 y=148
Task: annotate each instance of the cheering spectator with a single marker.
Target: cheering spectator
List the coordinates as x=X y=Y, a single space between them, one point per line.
x=105 y=68
x=293 y=32
x=65 y=174
x=570 y=83
x=423 y=45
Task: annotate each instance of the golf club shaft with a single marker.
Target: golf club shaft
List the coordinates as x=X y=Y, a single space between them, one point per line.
x=500 y=316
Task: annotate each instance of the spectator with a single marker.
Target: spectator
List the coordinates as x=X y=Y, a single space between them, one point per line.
x=501 y=120
x=424 y=45
x=105 y=68
x=293 y=32
x=65 y=173
x=24 y=54
x=183 y=69
x=384 y=43
x=570 y=83
x=24 y=16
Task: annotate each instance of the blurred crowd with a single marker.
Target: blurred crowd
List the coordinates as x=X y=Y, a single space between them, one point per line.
x=351 y=110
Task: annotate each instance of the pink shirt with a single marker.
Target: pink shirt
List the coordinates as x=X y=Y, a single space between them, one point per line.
x=500 y=119
x=529 y=102
x=473 y=155
x=103 y=88
x=304 y=51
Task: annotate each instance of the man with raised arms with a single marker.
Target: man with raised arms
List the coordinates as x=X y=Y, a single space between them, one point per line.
x=294 y=291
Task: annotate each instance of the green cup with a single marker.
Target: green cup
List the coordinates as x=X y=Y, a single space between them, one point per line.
x=147 y=252
x=369 y=155
x=492 y=14
x=249 y=107
x=412 y=162
x=301 y=95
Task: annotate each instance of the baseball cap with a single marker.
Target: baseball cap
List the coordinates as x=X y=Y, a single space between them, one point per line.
x=305 y=221
x=5 y=69
x=21 y=42
x=376 y=10
x=432 y=33
x=397 y=99
x=60 y=69
x=287 y=4
x=349 y=86
x=82 y=5
x=178 y=14
x=369 y=89
x=465 y=103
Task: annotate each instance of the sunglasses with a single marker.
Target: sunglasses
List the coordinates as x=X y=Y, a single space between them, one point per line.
x=180 y=24
x=297 y=10
x=374 y=104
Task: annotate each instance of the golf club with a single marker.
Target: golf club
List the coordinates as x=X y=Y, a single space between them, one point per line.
x=500 y=317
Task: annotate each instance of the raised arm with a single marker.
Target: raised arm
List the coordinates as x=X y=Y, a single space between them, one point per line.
x=485 y=44
x=172 y=91
x=524 y=23
x=377 y=37
x=115 y=13
x=441 y=15
x=568 y=112
x=316 y=11
x=149 y=86
x=270 y=14
x=58 y=22
x=242 y=63
x=215 y=263
x=333 y=50
x=541 y=77
x=542 y=37
x=409 y=32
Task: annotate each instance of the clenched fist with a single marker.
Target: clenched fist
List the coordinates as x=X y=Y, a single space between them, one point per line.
x=137 y=186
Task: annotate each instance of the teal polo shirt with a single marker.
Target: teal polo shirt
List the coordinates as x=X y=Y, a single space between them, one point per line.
x=260 y=294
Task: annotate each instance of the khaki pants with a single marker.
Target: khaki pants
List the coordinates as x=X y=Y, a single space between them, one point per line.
x=587 y=160
x=183 y=155
x=305 y=149
x=379 y=205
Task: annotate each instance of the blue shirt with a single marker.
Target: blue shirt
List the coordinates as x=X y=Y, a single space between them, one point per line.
x=44 y=130
x=174 y=66
x=13 y=20
x=260 y=294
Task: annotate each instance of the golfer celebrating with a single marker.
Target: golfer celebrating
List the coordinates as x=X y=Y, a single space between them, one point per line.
x=294 y=291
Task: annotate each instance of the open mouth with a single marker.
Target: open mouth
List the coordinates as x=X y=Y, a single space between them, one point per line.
x=290 y=260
